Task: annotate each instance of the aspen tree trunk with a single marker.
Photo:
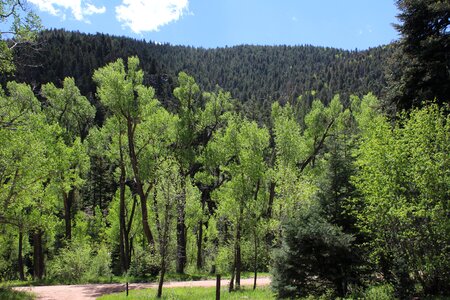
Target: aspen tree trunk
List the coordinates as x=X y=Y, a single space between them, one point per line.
x=20 y=256
x=139 y=184
x=181 y=230
x=122 y=247
x=68 y=200
x=238 y=255
x=161 y=277
x=38 y=255
x=205 y=195
x=123 y=243
x=255 y=260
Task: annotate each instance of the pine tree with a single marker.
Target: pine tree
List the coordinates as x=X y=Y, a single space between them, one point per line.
x=419 y=67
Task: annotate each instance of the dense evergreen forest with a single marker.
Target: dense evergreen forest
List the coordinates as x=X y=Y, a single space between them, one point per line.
x=128 y=158
x=255 y=75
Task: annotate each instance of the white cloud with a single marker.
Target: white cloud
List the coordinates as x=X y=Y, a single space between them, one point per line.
x=78 y=8
x=92 y=9
x=149 y=15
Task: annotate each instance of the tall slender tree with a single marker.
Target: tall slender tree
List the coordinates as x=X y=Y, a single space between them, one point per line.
x=241 y=148
x=200 y=116
x=148 y=125
x=71 y=111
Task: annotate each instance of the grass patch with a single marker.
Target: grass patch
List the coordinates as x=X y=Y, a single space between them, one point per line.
x=194 y=293
x=9 y=294
x=31 y=282
x=206 y=276
x=122 y=279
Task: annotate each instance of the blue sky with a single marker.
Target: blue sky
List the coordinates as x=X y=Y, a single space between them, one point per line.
x=348 y=24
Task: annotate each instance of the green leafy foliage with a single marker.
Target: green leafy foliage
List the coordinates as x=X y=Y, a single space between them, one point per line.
x=145 y=264
x=122 y=91
x=78 y=263
x=240 y=149
x=403 y=178
x=23 y=24
x=381 y=292
x=68 y=108
x=29 y=157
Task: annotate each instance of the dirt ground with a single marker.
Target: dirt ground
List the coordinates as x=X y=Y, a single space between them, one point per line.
x=92 y=291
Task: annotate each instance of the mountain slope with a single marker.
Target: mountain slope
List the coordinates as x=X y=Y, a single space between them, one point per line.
x=255 y=75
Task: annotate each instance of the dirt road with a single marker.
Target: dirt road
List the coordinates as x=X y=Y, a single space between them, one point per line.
x=92 y=291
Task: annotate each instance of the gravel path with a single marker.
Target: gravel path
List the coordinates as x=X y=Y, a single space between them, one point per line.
x=92 y=291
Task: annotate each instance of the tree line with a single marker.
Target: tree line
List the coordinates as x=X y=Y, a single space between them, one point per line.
x=255 y=75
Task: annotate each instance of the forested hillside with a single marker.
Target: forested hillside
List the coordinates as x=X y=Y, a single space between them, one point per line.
x=255 y=75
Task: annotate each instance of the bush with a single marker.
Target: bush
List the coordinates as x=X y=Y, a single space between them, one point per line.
x=380 y=292
x=70 y=264
x=144 y=264
x=223 y=260
x=100 y=265
x=78 y=263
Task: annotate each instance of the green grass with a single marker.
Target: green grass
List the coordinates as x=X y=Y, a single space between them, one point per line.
x=194 y=293
x=206 y=276
x=122 y=279
x=31 y=282
x=9 y=294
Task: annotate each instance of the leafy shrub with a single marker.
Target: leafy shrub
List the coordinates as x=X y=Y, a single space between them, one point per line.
x=78 y=263
x=8 y=256
x=144 y=264
x=223 y=260
x=70 y=264
x=100 y=265
x=380 y=292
